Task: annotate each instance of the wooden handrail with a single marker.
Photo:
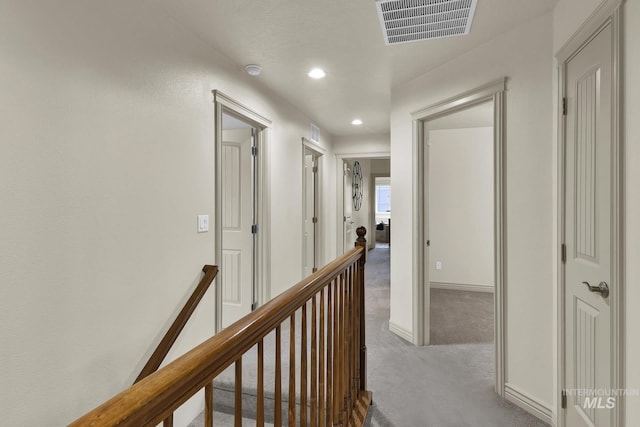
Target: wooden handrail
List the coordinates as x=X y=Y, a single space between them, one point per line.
x=161 y=351
x=155 y=397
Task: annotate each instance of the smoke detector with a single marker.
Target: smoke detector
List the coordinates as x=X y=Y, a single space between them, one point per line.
x=253 y=69
x=405 y=21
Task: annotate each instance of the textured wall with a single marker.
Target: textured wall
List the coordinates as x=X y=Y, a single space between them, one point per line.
x=522 y=55
x=106 y=159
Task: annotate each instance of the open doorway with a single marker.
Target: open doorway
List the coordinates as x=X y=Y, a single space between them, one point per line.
x=240 y=227
x=461 y=257
x=381 y=204
x=494 y=94
x=356 y=196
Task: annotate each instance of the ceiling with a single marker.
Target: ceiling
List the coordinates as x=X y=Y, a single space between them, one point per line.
x=289 y=37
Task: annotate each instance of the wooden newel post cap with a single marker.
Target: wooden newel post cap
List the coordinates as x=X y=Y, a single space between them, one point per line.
x=361 y=241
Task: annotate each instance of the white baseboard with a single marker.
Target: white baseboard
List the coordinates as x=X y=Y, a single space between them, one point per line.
x=519 y=398
x=461 y=287
x=401 y=332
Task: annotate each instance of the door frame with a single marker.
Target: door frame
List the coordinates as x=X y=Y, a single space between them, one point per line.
x=261 y=261
x=340 y=158
x=608 y=13
x=495 y=92
x=318 y=153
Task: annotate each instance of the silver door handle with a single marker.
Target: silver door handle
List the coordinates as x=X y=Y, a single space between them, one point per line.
x=602 y=288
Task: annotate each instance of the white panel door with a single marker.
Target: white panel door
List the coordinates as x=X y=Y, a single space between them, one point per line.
x=309 y=213
x=349 y=232
x=588 y=230
x=237 y=216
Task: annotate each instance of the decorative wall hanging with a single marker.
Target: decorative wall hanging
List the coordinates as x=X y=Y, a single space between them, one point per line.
x=357 y=186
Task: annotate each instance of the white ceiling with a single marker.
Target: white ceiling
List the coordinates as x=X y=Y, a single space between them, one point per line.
x=289 y=37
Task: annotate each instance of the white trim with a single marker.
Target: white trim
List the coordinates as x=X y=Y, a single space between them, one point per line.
x=239 y=109
x=527 y=402
x=587 y=30
x=314 y=145
x=494 y=92
x=608 y=13
x=462 y=287
x=401 y=332
x=461 y=101
x=224 y=104
x=367 y=155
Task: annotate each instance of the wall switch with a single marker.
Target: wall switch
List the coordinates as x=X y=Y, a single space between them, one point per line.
x=203 y=223
x=438 y=265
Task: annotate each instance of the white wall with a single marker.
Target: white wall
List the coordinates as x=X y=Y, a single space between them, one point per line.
x=106 y=159
x=358 y=144
x=380 y=166
x=568 y=16
x=523 y=55
x=461 y=206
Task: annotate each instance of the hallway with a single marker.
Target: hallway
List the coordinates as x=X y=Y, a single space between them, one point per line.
x=435 y=386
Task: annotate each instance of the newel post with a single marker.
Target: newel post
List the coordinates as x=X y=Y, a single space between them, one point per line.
x=362 y=242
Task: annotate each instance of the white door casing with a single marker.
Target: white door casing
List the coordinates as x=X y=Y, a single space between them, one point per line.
x=347 y=206
x=590 y=343
x=261 y=192
x=309 y=214
x=237 y=219
x=495 y=92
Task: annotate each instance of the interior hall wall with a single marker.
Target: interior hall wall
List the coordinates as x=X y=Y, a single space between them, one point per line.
x=523 y=56
x=107 y=157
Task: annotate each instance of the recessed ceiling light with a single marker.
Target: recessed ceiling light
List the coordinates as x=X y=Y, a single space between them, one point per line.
x=356 y=122
x=253 y=69
x=317 y=73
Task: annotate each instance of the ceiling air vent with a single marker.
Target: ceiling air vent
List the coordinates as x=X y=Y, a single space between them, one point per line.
x=406 y=21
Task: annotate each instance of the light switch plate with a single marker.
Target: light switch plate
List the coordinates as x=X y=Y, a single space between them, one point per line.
x=203 y=223
x=438 y=265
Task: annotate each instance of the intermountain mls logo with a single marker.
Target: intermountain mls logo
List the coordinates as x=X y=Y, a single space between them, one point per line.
x=599 y=398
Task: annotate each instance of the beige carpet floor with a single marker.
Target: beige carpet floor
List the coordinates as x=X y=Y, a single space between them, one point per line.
x=461 y=317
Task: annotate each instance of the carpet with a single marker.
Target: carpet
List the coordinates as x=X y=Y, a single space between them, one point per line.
x=461 y=317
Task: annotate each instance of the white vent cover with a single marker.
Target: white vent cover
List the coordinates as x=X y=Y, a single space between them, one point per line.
x=314 y=133
x=406 y=21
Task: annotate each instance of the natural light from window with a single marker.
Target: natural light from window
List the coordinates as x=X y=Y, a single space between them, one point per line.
x=383 y=199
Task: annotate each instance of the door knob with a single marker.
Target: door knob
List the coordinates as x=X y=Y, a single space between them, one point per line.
x=602 y=288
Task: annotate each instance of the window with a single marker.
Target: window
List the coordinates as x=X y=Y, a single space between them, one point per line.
x=383 y=199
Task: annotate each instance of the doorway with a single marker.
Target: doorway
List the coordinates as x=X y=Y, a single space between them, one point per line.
x=381 y=204
x=459 y=207
x=493 y=93
x=240 y=221
x=355 y=203
x=311 y=206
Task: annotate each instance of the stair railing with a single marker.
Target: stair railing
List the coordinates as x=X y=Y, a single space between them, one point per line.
x=329 y=306
x=161 y=351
